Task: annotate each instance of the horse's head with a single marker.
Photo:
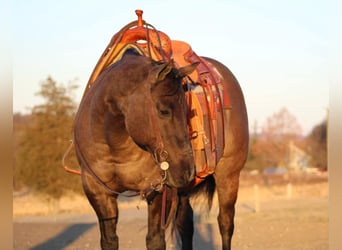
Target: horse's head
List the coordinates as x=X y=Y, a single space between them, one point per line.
x=156 y=119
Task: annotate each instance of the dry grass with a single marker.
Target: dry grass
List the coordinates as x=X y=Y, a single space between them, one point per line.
x=29 y=204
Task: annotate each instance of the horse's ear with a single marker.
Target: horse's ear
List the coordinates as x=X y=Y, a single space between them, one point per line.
x=160 y=71
x=187 y=70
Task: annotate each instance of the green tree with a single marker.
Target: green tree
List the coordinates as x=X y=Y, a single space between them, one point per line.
x=45 y=140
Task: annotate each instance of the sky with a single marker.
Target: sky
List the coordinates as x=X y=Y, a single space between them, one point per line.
x=278 y=50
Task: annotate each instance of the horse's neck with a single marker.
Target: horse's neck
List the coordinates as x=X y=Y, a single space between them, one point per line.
x=106 y=121
x=115 y=131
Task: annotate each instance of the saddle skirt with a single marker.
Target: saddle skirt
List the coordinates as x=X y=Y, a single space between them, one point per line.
x=207 y=96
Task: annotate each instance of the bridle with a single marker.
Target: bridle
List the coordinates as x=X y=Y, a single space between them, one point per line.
x=159 y=154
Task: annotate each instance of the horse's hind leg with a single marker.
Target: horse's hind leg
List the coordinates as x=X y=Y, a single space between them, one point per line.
x=105 y=206
x=185 y=222
x=227 y=189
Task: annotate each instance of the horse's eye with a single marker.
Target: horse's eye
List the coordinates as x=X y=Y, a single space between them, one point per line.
x=164 y=113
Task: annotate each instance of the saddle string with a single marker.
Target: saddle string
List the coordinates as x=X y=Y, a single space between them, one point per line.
x=162 y=52
x=148 y=43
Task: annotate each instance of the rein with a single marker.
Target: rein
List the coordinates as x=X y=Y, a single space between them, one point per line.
x=134 y=31
x=160 y=155
x=148 y=193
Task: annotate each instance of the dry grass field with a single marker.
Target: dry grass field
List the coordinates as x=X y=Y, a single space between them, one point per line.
x=275 y=212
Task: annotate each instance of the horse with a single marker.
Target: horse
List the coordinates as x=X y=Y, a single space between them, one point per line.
x=131 y=134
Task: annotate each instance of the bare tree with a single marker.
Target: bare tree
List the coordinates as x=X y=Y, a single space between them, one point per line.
x=272 y=144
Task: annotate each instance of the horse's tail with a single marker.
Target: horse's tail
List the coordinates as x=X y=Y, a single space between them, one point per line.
x=207 y=189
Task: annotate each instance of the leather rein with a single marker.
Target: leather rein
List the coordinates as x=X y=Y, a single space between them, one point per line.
x=160 y=156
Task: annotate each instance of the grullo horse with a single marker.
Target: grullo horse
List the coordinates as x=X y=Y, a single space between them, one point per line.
x=131 y=134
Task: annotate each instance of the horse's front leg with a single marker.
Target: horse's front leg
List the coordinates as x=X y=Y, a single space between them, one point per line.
x=227 y=189
x=185 y=222
x=105 y=206
x=155 y=239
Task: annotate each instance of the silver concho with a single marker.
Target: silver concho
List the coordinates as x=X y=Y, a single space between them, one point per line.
x=164 y=165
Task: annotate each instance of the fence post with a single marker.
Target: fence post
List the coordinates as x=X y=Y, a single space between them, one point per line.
x=256 y=198
x=289 y=190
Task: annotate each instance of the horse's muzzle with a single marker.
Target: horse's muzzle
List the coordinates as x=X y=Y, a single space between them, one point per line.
x=181 y=178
